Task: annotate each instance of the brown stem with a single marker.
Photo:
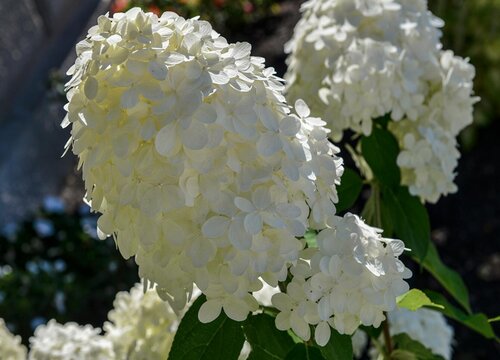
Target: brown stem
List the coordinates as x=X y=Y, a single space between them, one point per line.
x=387 y=335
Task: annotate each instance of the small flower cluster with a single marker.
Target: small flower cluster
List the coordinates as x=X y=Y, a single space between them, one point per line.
x=373 y=58
x=352 y=278
x=199 y=167
x=69 y=342
x=426 y=326
x=141 y=325
x=10 y=345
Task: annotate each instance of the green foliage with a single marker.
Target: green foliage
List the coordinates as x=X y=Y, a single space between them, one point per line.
x=414 y=300
x=380 y=151
x=405 y=348
x=449 y=278
x=267 y=342
x=304 y=352
x=349 y=189
x=197 y=341
x=409 y=218
x=339 y=347
x=477 y=322
x=57 y=268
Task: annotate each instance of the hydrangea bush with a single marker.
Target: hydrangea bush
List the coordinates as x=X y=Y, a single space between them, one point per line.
x=206 y=175
x=380 y=58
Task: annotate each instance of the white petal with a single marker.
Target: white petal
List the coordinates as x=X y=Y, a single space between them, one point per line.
x=322 y=333
x=243 y=204
x=215 y=226
x=129 y=99
x=253 y=223
x=268 y=144
x=299 y=326
x=209 y=311
x=236 y=309
x=289 y=126
x=195 y=137
x=90 y=88
x=302 y=108
x=159 y=71
x=282 y=321
x=165 y=139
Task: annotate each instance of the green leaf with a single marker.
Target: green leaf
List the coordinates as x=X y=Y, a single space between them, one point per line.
x=348 y=190
x=339 y=347
x=304 y=352
x=450 y=279
x=477 y=322
x=267 y=342
x=222 y=338
x=409 y=218
x=414 y=300
x=495 y=319
x=371 y=331
x=310 y=237
x=408 y=349
x=380 y=151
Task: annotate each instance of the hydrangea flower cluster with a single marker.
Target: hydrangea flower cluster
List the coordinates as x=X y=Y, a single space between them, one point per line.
x=141 y=325
x=352 y=278
x=10 y=345
x=426 y=326
x=373 y=58
x=199 y=167
x=69 y=342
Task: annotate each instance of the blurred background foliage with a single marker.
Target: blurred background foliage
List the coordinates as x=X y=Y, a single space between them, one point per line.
x=472 y=29
x=52 y=265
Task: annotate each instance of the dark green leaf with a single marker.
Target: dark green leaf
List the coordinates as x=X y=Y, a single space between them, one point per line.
x=372 y=332
x=450 y=279
x=348 y=190
x=410 y=219
x=380 y=151
x=304 y=352
x=221 y=339
x=267 y=342
x=477 y=322
x=414 y=300
x=407 y=348
x=338 y=348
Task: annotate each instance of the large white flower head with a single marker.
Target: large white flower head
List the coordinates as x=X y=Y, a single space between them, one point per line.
x=426 y=326
x=199 y=167
x=352 y=278
x=10 y=345
x=141 y=325
x=69 y=342
x=378 y=57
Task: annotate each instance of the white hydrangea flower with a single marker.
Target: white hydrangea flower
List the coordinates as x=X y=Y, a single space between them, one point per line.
x=10 y=345
x=429 y=327
x=141 y=325
x=199 y=167
x=378 y=57
x=352 y=278
x=427 y=159
x=69 y=342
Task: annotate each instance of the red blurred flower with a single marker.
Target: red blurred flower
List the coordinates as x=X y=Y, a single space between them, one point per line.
x=119 y=5
x=219 y=3
x=154 y=9
x=248 y=7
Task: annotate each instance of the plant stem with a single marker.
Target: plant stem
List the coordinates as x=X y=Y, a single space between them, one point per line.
x=387 y=335
x=377 y=219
